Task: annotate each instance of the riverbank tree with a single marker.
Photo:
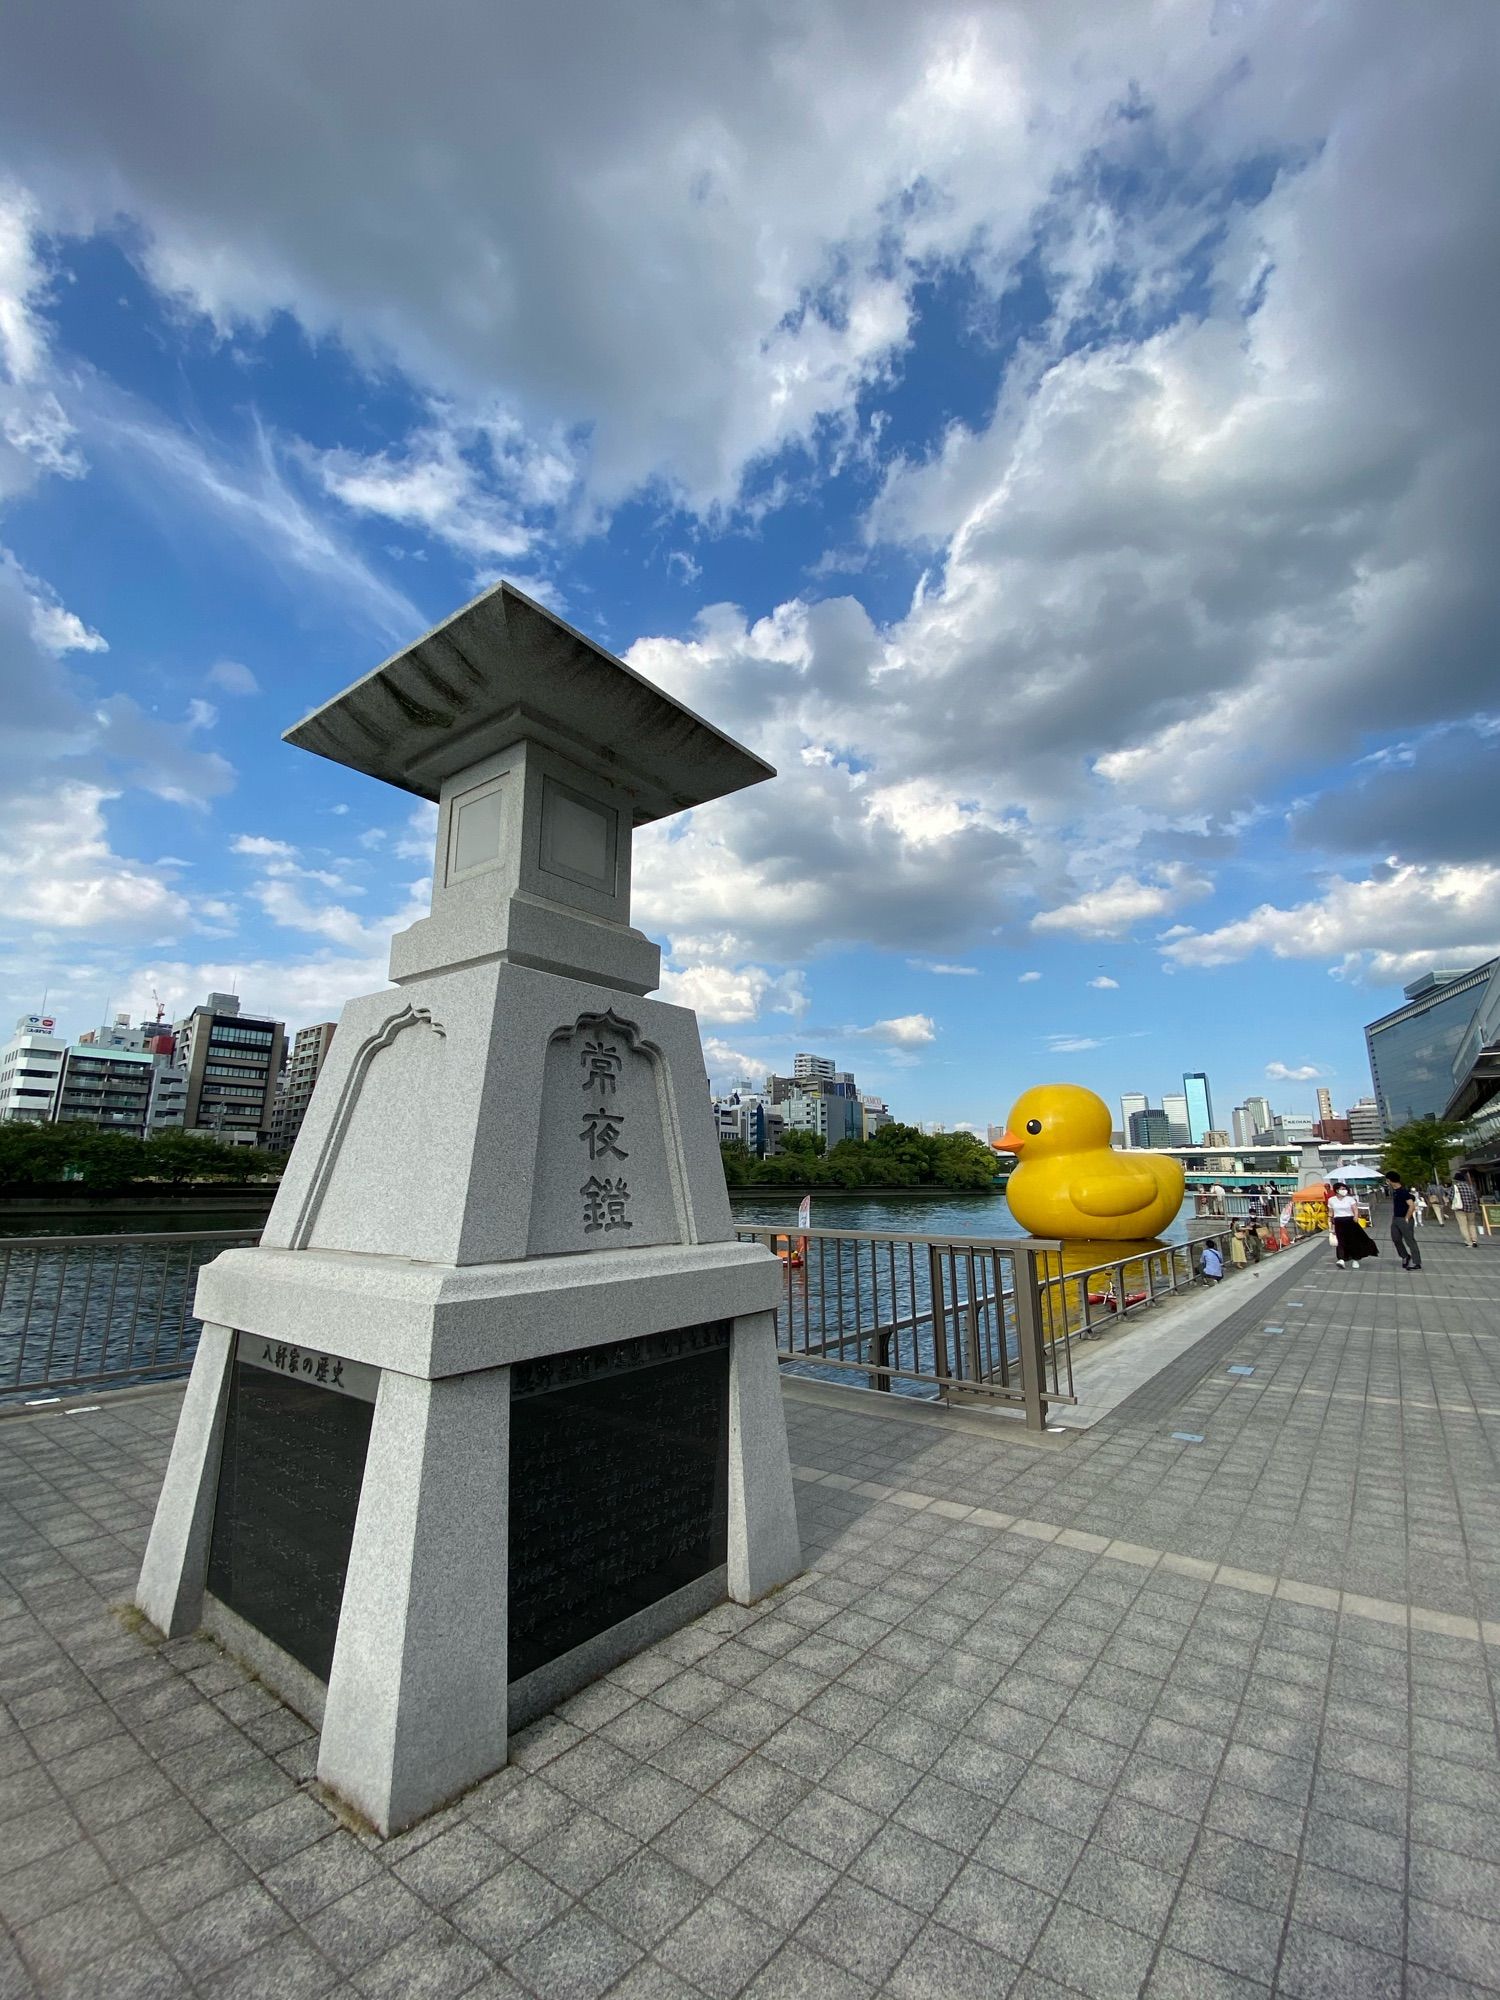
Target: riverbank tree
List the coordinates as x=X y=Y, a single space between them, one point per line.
x=897 y=1156
x=1423 y=1151
x=38 y=1156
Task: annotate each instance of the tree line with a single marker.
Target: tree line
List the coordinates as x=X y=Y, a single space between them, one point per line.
x=897 y=1156
x=1424 y=1151
x=45 y=1156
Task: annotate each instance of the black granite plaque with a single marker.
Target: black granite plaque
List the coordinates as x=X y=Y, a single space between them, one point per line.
x=289 y=1480
x=619 y=1484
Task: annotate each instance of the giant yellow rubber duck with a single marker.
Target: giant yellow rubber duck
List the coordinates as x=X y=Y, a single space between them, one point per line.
x=1070 y=1183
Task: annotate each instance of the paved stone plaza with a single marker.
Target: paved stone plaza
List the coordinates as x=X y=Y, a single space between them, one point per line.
x=1105 y=1714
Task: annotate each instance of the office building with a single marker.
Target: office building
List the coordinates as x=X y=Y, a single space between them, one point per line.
x=1476 y=1064
x=1174 y=1104
x=1244 y=1125
x=831 y=1117
x=874 y=1113
x=1291 y=1128
x=1365 y=1128
x=1261 y=1113
x=1150 y=1129
x=309 y=1052
x=1413 y=1048
x=1131 y=1101
x=1200 y=1109
x=168 y=1109
x=744 y=1118
x=1325 y=1104
x=812 y=1069
x=31 y=1065
x=115 y=1034
x=233 y=1064
x=110 y=1088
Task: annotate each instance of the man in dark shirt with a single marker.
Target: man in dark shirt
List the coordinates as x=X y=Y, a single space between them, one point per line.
x=1403 y=1223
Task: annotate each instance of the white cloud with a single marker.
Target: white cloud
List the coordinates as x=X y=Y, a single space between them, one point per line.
x=1028 y=978
x=759 y=236
x=1232 y=511
x=733 y=994
x=1112 y=909
x=1064 y=1045
x=728 y=1066
x=233 y=678
x=1280 y=1072
x=61 y=630
x=469 y=485
x=419 y=836
x=36 y=435
x=250 y=495
x=285 y=904
x=1386 y=929
x=946 y=971
x=901 y=1031
x=59 y=873
x=1105 y=984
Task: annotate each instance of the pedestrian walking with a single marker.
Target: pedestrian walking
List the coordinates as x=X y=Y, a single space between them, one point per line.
x=1352 y=1243
x=1403 y=1223
x=1466 y=1210
x=1437 y=1201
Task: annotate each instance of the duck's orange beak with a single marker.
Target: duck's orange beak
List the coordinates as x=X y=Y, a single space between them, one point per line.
x=1008 y=1143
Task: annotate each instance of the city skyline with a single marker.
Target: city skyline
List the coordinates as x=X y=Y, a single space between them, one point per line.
x=1079 y=497
x=754 y=1074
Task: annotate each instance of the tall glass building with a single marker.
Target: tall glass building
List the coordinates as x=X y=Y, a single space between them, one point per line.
x=1200 y=1109
x=1413 y=1047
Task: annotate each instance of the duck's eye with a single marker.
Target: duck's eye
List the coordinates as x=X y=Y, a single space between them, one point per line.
x=1033 y=1126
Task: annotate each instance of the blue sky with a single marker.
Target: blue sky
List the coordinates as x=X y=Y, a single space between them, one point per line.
x=1063 y=441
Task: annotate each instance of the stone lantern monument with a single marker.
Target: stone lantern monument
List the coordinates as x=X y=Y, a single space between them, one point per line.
x=495 y=1402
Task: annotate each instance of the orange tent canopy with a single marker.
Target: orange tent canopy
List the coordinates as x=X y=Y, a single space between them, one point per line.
x=1317 y=1191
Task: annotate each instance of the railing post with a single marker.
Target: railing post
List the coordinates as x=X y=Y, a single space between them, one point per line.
x=971 y=1323
x=1029 y=1337
x=939 y=1309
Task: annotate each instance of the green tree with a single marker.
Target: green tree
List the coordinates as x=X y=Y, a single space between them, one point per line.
x=964 y=1161
x=801 y=1146
x=176 y=1157
x=1422 y=1152
x=739 y=1162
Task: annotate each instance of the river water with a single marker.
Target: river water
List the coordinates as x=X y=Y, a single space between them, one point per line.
x=67 y=1320
x=945 y=1213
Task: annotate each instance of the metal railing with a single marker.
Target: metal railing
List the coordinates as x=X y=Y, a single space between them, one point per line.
x=77 y=1311
x=1090 y=1298
x=953 y=1318
x=961 y=1317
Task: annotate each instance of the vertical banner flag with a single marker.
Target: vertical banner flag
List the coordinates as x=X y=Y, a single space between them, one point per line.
x=804 y=1212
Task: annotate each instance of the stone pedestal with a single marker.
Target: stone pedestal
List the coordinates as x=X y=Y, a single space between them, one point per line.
x=495 y=1401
